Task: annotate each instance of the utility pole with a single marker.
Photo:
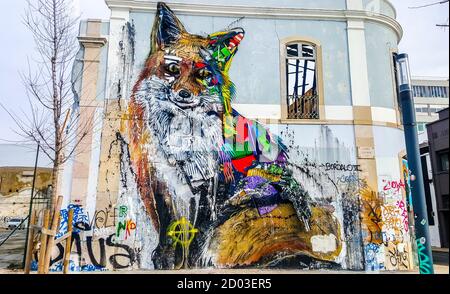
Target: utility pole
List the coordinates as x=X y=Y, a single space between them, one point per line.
x=31 y=204
x=415 y=165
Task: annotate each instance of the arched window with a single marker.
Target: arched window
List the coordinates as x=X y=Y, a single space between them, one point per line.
x=301 y=79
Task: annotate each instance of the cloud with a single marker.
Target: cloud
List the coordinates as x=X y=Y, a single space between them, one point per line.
x=93 y=9
x=426 y=44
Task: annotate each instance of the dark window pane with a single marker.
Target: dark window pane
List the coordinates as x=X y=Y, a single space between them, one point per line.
x=292 y=50
x=308 y=51
x=427 y=183
x=443 y=164
x=421 y=127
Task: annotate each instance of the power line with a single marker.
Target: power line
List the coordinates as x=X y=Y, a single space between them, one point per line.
x=431 y=4
x=443 y=25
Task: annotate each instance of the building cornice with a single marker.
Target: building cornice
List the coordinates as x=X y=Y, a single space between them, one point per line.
x=261 y=12
x=95 y=42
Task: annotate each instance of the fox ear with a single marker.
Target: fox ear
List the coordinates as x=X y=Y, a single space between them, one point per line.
x=167 y=28
x=224 y=46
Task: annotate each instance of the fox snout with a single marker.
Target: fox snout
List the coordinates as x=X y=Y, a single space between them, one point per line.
x=184 y=98
x=185 y=95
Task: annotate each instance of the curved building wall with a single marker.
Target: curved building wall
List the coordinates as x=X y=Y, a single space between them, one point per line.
x=381 y=43
x=348 y=162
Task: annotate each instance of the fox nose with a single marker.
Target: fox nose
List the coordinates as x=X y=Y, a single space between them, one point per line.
x=184 y=94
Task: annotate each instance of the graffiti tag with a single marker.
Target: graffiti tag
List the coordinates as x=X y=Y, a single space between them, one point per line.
x=425 y=265
x=393 y=186
x=342 y=167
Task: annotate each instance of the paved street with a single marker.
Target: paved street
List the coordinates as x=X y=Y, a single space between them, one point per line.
x=11 y=253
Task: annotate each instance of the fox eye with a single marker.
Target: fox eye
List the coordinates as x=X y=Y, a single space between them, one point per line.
x=203 y=74
x=173 y=68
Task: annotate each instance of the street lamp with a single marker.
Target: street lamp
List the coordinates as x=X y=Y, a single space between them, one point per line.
x=403 y=72
x=415 y=165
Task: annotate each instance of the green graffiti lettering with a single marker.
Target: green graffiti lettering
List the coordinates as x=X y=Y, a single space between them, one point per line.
x=425 y=265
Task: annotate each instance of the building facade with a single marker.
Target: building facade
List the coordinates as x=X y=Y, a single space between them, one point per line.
x=16 y=180
x=317 y=75
x=430 y=97
x=439 y=151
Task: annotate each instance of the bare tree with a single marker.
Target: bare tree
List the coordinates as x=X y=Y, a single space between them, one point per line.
x=53 y=122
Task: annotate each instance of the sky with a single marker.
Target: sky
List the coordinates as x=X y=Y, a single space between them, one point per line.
x=426 y=44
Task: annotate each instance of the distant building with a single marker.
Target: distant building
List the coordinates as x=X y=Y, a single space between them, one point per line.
x=439 y=151
x=16 y=179
x=431 y=95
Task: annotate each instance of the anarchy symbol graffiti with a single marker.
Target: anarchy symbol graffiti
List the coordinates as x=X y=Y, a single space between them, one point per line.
x=182 y=232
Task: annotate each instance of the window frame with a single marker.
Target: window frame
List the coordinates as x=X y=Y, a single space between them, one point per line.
x=395 y=92
x=421 y=127
x=440 y=156
x=319 y=77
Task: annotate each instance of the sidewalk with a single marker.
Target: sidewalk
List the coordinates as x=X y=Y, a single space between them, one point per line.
x=12 y=251
x=439 y=269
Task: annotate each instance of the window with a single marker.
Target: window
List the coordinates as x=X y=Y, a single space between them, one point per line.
x=426 y=183
x=428 y=109
x=422 y=108
x=434 y=109
x=430 y=91
x=443 y=165
x=416 y=91
x=421 y=127
x=302 y=94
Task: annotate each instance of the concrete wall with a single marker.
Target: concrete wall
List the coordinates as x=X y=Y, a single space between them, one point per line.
x=15 y=190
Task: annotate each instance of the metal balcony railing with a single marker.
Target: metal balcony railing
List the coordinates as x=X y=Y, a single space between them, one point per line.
x=303 y=107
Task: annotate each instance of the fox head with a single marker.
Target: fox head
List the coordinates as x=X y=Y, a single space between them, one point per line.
x=182 y=98
x=191 y=66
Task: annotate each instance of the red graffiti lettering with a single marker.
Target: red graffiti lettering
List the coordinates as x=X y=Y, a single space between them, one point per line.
x=402 y=207
x=395 y=186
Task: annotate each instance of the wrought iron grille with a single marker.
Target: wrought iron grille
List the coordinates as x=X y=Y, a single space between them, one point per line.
x=42 y=200
x=303 y=107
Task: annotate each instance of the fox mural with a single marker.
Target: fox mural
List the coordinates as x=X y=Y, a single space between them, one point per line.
x=218 y=188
